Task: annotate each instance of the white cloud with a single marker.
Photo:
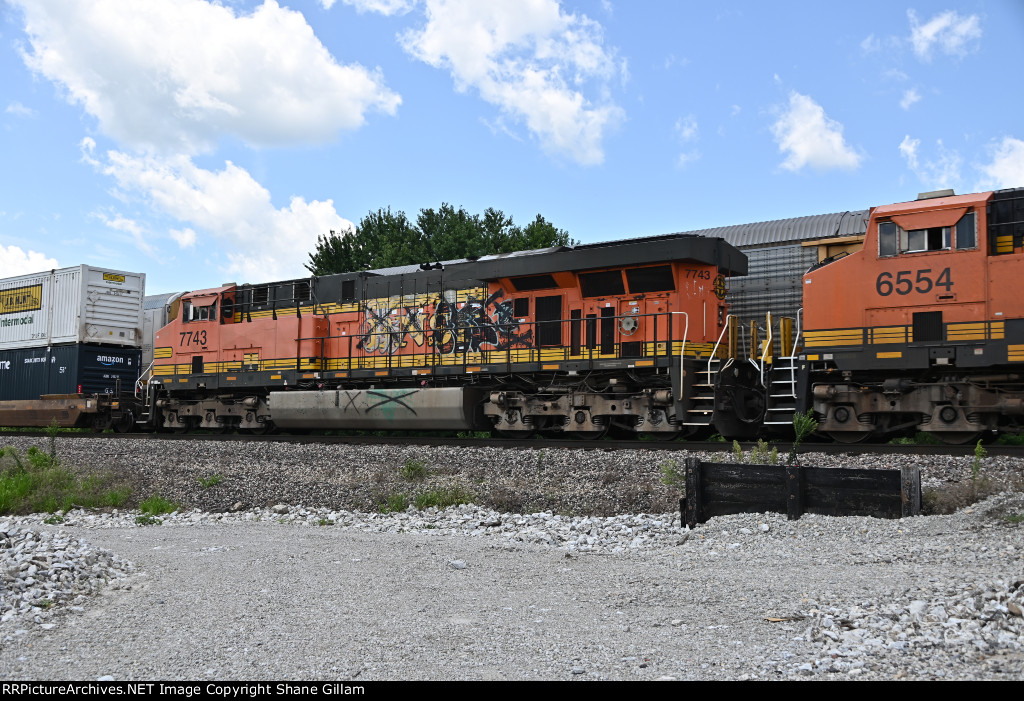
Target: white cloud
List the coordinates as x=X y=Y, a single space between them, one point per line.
x=384 y=7
x=186 y=237
x=19 y=110
x=686 y=128
x=262 y=242
x=909 y=98
x=871 y=44
x=132 y=228
x=943 y=171
x=687 y=132
x=951 y=33
x=177 y=75
x=532 y=61
x=809 y=138
x=15 y=261
x=1007 y=166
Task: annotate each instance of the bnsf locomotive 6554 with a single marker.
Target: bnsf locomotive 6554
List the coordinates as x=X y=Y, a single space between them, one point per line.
x=921 y=329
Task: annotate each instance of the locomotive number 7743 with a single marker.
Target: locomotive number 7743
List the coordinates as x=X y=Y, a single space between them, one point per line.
x=197 y=338
x=904 y=283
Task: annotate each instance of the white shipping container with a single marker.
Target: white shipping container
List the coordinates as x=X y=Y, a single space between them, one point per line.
x=82 y=304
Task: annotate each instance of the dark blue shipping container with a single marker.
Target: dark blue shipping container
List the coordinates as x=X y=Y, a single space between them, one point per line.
x=29 y=373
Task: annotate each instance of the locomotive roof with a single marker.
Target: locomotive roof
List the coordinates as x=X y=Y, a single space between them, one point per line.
x=779 y=231
x=611 y=254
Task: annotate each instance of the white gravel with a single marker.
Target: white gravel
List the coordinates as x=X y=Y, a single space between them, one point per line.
x=274 y=590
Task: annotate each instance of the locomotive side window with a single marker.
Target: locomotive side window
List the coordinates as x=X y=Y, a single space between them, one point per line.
x=534 y=282
x=521 y=306
x=658 y=279
x=604 y=284
x=348 y=290
x=966 y=232
x=301 y=291
x=888 y=239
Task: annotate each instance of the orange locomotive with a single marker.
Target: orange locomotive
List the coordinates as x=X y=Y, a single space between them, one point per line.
x=922 y=329
x=564 y=340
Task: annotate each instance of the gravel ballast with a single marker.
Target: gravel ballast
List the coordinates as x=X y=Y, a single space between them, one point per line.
x=280 y=570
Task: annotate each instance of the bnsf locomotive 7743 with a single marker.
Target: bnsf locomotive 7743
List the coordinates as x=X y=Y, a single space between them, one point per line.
x=560 y=340
x=921 y=329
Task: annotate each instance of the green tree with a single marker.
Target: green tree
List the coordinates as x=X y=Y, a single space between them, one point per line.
x=384 y=239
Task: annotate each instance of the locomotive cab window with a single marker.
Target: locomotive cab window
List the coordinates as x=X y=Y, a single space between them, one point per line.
x=192 y=312
x=937 y=238
x=892 y=240
x=966 y=233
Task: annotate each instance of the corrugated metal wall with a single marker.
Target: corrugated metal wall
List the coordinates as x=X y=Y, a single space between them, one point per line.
x=773 y=284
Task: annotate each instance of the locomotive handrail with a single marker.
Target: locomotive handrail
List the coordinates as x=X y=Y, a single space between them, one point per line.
x=143 y=379
x=766 y=348
x=682 y=351
x=462 y=333
x=714 y=351
x=792 y=355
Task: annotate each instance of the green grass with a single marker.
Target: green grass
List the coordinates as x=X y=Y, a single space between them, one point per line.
x=38 y=483
x=414 y=471
x=442 y=497
x=1014 y=518
x=212 y=480
x=156 y=505
x=671 y=475
x=394 y=503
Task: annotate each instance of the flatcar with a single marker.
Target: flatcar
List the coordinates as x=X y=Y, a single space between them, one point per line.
x=573 y=340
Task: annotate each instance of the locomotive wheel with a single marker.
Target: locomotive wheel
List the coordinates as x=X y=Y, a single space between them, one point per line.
x=850 y=436
x=586 y=435
x=522 y=435
x=126 y=424
x=263 y=430
x=956 y=437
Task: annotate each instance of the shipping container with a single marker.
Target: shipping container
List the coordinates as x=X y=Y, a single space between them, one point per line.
x=75 y=305
x=28 y=373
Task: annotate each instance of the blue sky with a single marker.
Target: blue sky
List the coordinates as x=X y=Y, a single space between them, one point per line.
x=204 y=142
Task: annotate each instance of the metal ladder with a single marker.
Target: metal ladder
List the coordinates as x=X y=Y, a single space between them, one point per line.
x=780 y=405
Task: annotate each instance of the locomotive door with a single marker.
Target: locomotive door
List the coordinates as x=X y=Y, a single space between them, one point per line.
x=631 y=328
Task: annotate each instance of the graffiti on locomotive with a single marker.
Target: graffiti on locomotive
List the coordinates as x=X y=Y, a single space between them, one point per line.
x=442 y=324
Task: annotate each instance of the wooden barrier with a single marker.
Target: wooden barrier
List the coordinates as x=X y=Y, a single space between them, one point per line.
x=716 y=489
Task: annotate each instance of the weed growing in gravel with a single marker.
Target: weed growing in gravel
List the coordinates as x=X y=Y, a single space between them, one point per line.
x=672 y=476
x=761 y=454
x=442 y=497
x=737 y=452
x=39 y=483
x=211 y=481
x=979 y=454
x=325 y=522
x=394 y=503
x=414 y=471
x=147 y=520
x=54 y=520
x=156 y=505
x=803 y=426
x=919 y=438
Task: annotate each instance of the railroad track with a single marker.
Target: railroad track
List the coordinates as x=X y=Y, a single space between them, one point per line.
x=551 y=443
